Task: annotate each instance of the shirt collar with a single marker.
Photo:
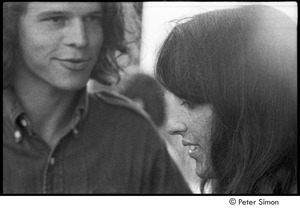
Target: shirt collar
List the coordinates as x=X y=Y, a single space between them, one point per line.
x=83 y=103
x=13 y=110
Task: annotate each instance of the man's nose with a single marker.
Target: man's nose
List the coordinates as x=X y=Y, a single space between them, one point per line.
x=77 y=35
x=176 y=128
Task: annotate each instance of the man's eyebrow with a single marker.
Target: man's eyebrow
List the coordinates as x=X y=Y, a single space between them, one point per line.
x=52 y=13
x=95 y=13
x=67 y=13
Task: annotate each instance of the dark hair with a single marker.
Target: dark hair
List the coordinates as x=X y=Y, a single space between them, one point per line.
x=242 y=62
x=149 y=90
x=114 y=41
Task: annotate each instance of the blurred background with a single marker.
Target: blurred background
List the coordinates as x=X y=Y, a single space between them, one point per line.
x=148 y=23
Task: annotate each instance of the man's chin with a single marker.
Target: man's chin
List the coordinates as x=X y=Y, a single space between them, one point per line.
x=72 y=86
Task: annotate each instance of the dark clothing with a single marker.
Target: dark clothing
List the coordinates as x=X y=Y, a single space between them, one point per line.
x=109 y=147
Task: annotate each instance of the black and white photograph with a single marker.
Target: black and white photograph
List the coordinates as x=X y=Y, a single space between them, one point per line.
x=194 y=99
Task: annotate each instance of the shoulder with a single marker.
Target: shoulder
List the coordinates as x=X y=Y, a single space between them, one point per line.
x=119 y=101
x=116 y=114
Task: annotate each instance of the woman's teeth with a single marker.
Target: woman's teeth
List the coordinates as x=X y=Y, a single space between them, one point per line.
x=192 y=148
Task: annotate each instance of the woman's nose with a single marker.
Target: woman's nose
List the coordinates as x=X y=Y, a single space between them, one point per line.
x=176 y=128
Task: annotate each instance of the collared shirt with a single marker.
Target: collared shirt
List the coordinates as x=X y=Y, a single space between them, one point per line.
x=109 y=147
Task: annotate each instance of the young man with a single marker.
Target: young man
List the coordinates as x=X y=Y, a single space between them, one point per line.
x=56 y=137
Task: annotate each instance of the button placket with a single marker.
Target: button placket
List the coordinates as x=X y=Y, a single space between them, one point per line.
x=50 y=176
x=54 y=172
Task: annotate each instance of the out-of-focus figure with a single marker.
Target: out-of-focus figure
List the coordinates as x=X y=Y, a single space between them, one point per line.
x=150 y=96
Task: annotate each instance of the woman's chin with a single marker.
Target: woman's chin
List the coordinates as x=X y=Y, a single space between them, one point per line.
x=199 y=171
x=202 y=172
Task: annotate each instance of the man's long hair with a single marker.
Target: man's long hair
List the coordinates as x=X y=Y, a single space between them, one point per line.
x=114 y=43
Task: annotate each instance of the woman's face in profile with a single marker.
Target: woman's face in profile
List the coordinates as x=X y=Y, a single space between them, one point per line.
x=193 y=124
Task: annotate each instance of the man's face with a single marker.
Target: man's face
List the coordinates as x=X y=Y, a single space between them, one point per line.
x=60 y=42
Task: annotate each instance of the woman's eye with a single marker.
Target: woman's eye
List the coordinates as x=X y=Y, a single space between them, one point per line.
x=184 y=102
x=188 y=104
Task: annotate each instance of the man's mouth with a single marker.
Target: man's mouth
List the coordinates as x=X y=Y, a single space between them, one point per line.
x=74 y=60
x=74 y=64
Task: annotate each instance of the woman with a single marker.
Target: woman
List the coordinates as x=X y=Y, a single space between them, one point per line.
x=232 y=80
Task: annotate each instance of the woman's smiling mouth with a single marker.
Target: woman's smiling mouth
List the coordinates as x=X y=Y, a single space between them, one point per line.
x=194 y=148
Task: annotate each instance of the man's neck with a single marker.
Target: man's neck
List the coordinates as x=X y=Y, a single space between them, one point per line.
x=49 y=109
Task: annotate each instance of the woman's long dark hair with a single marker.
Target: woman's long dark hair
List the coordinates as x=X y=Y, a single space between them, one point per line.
x=113 y=31
x=243 y=62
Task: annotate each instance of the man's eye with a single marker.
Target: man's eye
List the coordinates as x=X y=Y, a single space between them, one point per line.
x=94 y=18
x=57 y=19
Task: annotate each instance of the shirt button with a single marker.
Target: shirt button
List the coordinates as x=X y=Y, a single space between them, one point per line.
x=75 y=131
x=18 y=136
x=23 y=122
x=52 y=161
